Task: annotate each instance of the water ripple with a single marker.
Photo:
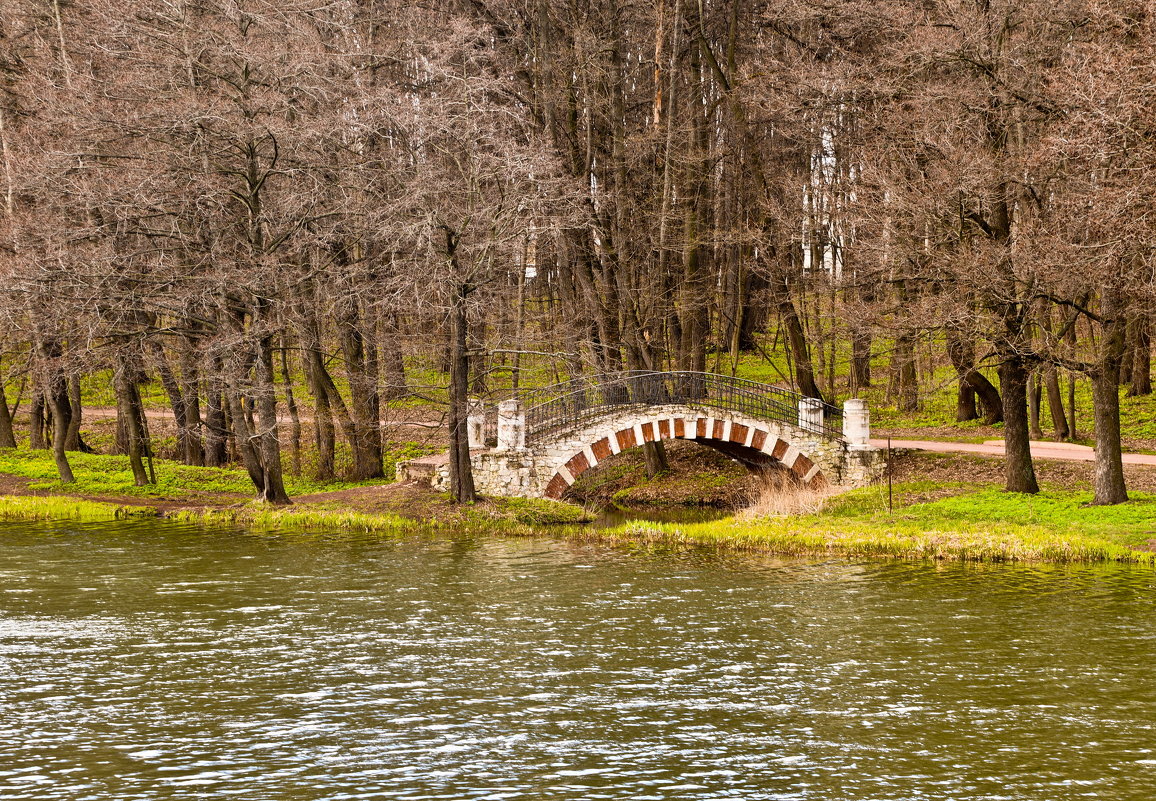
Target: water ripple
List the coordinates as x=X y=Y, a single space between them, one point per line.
x=145 y=660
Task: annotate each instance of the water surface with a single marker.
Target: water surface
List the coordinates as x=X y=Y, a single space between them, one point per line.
x=149 y=660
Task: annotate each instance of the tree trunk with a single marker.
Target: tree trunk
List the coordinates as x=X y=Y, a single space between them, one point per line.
x=461 y=470
x=291 y=405
x=146 y=435
x=1108 y=478
x=128 y=421
x=656 y=459
x=55 y=390
x=365 y=405
x=36 y=422
x=1072 y=407
x=1056 y=403
x=7 y=434
x=216 y=426
x=963 y=360
x=1035 y=401
x=323 y=430
x=268 y=441
x=243 y=437
x=172 y=389
x=76 y=411
x=860 y=360
x=1141 y=358
x=1020 y=474
x=59 y=405
x=903 y=374
x=754 y=318
x=334 y=402
x=797 y=342
x=59 y=438
x=194 y=452
x=965 y=408
x=393 y=368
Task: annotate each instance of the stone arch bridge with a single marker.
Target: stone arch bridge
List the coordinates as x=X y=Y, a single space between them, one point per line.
x=538 y=442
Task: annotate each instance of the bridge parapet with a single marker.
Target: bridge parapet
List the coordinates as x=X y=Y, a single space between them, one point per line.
x=568 y=405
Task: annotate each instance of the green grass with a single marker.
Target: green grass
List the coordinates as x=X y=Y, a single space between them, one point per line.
x=1065 y=511
x=809 y=537
x=97 y=474
x=298 y=519
x=499 y=515
x=978 y=524
x=937 y=409
x=535 y=511
x=55 y=508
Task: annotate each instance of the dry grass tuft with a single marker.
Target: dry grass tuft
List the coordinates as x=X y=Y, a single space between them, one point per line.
x=780 y=494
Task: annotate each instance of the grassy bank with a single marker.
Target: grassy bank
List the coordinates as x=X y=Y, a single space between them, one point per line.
x=104 y=475
x=36 y=507
x=517 y=515
x=104 y=490
x=494 y=514
x=977 y=525
x=935 y=517
x=973 y=523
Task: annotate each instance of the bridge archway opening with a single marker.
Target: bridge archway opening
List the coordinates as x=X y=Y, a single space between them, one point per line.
x=699 y=473
x=758 y=449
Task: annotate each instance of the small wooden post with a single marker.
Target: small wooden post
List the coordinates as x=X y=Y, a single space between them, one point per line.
x=890 y=501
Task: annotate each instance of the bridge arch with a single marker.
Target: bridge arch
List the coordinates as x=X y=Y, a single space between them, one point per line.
x=538 y=442
x=756 y=443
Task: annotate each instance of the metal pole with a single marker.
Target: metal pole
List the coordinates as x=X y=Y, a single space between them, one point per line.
x=890 y=501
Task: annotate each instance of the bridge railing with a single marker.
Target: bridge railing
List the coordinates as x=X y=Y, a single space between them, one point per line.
x=564 y=407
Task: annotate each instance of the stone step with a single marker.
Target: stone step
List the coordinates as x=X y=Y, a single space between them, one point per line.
x=422 y=470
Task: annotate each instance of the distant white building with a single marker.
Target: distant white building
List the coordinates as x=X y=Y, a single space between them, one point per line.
x=827 y=194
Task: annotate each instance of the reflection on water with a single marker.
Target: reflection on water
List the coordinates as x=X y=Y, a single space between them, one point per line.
x=148 y=661
x=611 y=516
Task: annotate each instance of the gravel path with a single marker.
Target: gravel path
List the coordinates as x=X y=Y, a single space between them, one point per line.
x=1063 y=451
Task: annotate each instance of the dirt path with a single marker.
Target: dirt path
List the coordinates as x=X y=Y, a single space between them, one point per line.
x=95 y=413
x=1062 y=451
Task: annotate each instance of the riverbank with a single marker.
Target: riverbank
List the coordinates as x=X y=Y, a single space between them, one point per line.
x=104 y=490
x=971 y=523
x=943 y=507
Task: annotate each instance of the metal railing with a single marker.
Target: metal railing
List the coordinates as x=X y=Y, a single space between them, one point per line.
x=567 y=406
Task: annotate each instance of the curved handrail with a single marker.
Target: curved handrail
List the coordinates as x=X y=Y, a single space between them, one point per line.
x=567 y=405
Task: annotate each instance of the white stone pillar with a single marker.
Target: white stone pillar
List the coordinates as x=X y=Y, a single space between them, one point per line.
x=811 y=414
x=511 y=426
x=476 y=424
x=857 y=424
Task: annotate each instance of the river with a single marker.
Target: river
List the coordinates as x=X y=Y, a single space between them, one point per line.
x=145 y=660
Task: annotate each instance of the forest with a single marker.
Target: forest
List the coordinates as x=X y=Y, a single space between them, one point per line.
x=295 y=222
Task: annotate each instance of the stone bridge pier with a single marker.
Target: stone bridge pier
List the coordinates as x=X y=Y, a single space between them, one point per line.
x=547 y=463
